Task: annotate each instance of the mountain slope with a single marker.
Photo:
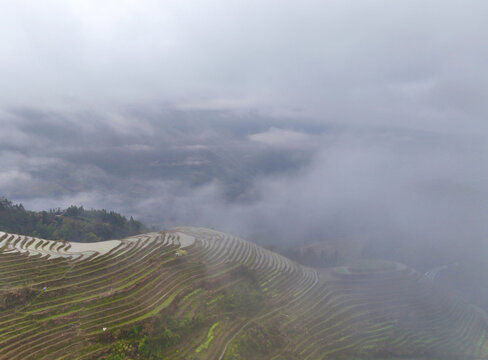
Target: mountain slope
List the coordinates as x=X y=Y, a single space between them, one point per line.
x=192 y=293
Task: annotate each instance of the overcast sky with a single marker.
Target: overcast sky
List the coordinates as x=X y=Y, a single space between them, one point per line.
x=362 y=119
x=415 y=63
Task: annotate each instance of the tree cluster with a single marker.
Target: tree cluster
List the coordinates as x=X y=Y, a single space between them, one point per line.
x=71 y=224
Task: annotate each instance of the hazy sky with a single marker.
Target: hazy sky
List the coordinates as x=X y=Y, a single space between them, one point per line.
x=362 y=119
x=415 y=63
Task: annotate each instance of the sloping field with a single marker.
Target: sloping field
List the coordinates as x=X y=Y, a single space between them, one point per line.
x=192 y=293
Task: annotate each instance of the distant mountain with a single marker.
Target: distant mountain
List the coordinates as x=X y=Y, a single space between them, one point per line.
x=71 y=224
x=193 y=293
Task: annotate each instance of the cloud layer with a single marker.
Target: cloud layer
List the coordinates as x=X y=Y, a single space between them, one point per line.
x=273 y=180
x=275 y=120
x=382 y=61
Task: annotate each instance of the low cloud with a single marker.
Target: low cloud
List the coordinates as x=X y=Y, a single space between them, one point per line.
x=281 y=138
x=389 y=187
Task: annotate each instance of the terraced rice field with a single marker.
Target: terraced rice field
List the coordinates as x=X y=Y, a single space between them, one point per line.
x=61 y=300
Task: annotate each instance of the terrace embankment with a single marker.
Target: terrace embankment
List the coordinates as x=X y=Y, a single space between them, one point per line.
x=193 y=293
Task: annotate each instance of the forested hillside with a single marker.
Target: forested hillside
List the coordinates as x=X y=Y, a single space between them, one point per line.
x=72 y=224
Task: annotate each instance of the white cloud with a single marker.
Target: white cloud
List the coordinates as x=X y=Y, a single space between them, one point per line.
x=12 y=178
x=402 y=84
x=282 y=138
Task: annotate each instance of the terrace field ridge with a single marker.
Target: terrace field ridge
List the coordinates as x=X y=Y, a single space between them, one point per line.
x=196 y=293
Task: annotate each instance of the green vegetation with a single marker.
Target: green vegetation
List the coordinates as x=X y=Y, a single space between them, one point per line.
x=71 y=224
x=151 y=340
x=257 y=343
x=210 y=337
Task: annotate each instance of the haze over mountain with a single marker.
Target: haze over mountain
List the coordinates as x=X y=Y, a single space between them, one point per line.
x=346 y=129
x=349 y=120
